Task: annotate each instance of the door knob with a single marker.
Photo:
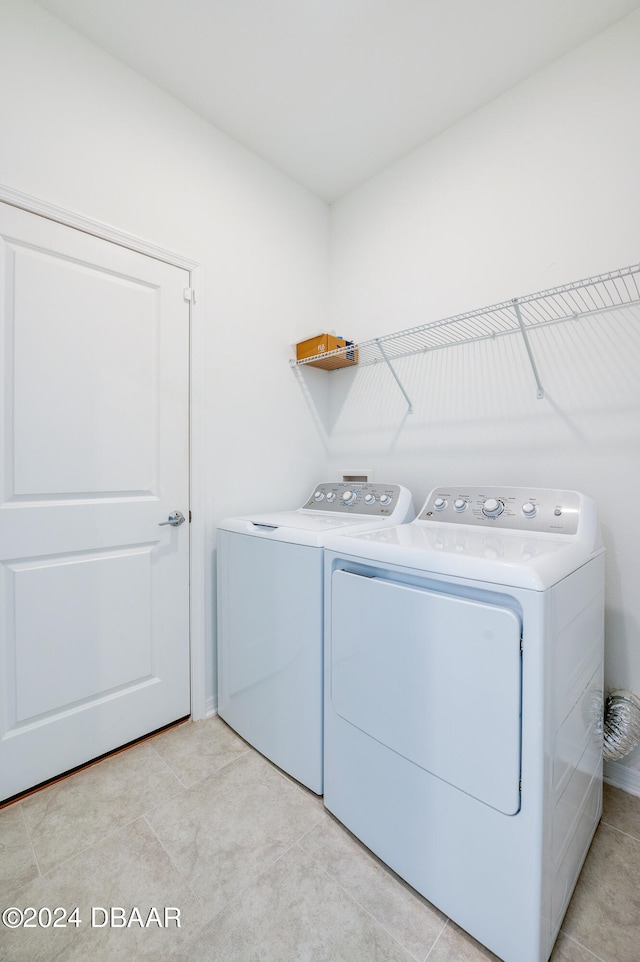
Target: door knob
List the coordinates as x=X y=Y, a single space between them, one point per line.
x=175 y=518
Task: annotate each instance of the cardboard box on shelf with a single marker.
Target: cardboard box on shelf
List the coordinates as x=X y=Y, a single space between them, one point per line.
x=321 y=344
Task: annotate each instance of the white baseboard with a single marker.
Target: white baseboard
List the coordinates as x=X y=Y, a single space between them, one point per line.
x=621 y=776
x=210 y=707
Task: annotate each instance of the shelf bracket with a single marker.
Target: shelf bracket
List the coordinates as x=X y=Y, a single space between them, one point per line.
x=516 y=307
x=397 y=379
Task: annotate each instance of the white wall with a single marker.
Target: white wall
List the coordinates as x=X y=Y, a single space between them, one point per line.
x=537 y=189
x=80 y=130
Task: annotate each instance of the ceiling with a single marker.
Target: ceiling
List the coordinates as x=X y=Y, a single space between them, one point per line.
x=333 y=91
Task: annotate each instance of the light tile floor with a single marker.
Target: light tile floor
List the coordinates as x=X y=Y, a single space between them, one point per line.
x=195 y=819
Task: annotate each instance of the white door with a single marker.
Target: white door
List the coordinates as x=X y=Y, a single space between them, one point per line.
x=94 y=594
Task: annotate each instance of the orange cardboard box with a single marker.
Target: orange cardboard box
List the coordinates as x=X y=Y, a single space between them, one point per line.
x=323 y=343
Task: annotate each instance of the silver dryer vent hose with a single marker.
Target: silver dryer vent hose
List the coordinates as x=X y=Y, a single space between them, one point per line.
x=621 y=724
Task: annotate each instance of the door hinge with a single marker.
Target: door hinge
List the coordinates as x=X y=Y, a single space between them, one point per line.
x=189 y=517
x=189 y=294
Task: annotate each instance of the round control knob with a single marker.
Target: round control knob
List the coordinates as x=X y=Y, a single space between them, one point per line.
x=492 y=508
x=529 y=510
x=349 y=497
x=319 y=496
x=460 y=504
x=331 y=496
x=440 y=504
x=369 y=499
x=385 y=499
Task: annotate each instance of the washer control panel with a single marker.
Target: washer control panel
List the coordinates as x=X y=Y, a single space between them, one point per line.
x=357 y=497
x=522 y=509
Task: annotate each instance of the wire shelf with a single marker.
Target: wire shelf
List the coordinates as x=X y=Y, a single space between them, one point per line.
x=519 y=315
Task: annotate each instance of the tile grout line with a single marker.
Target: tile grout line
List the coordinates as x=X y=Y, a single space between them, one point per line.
x=571 y=938
x=438 y=937
x=166 y=764
x=33 y=848
x=199 y=781
x=173 y=864
x=354 y=899
x=620 y=831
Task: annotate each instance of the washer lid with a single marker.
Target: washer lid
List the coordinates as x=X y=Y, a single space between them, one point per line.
x=297 y=527
x=500 y=557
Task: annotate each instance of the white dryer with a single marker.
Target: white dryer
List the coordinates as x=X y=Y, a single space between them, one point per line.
x=270 y=617
x=463 y=703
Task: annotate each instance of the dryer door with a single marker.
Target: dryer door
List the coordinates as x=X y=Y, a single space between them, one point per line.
x=434 y=677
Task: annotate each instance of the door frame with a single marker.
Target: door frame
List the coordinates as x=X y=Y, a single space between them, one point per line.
x=35 y=205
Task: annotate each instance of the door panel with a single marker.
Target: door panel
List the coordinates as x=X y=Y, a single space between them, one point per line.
x=61 y=406
x=103 y=596
x=434 y=677
x=94 y=642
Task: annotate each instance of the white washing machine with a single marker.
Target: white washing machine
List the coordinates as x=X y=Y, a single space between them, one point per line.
x=463 y=703
x=270 y=617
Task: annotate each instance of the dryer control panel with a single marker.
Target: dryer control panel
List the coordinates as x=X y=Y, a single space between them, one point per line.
x=373 y=499
x=522 y=509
